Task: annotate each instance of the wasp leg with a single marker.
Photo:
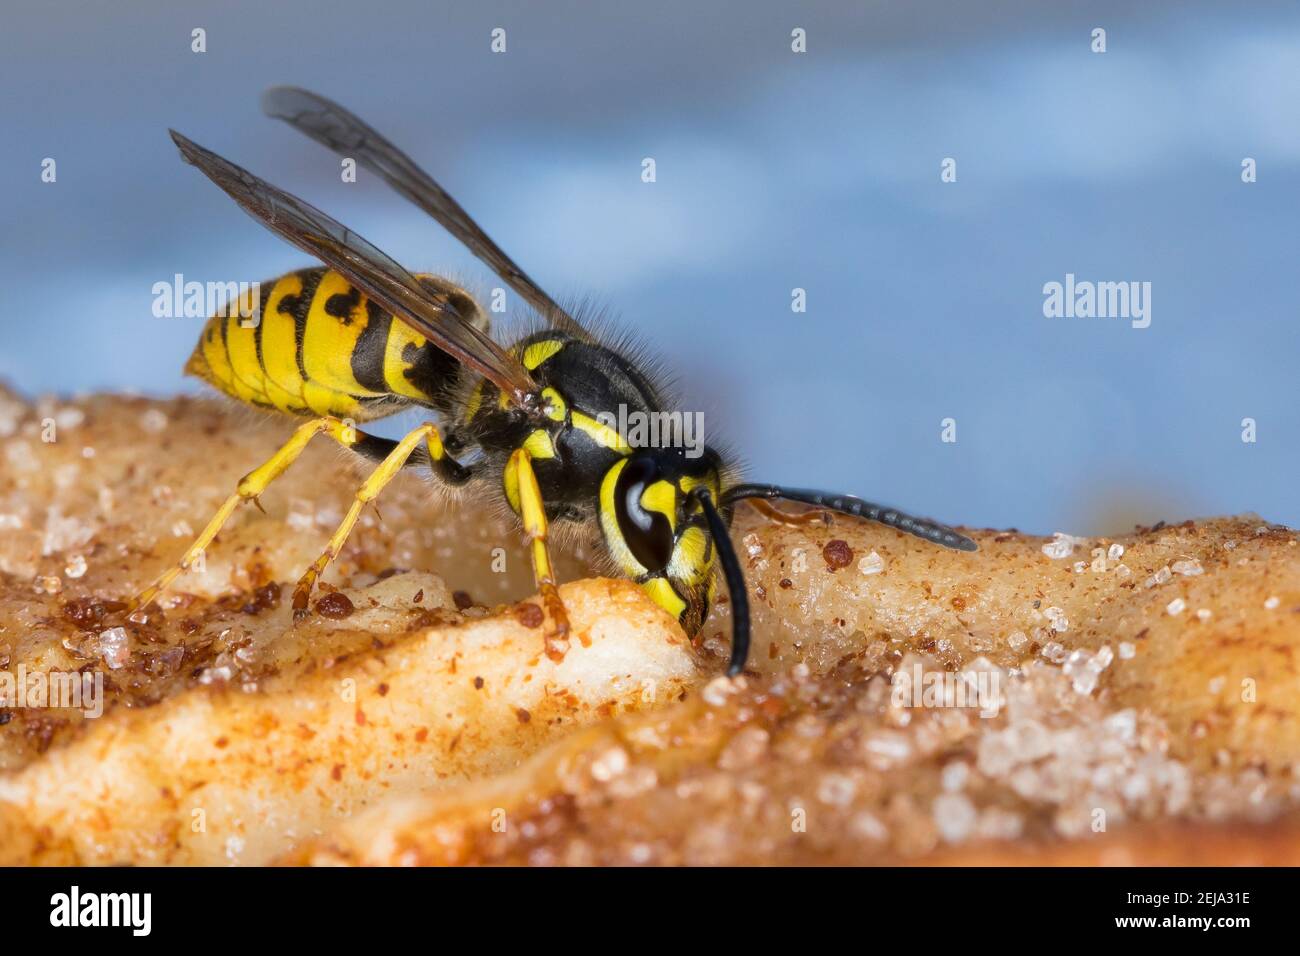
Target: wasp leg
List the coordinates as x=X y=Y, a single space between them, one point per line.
x=369 y=490
x=249 y=487
x=532 y=511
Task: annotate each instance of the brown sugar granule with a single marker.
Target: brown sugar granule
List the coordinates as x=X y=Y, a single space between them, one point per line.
x=335 y=605
x=837 y=554
x=530 y=615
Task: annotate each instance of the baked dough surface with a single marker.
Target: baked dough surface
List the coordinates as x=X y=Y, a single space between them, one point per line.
x=1126 y=700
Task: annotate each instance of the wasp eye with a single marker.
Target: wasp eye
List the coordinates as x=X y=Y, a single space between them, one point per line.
x=648 y=534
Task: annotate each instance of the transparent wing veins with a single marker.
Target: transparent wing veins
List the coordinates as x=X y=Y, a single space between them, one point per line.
x=336 y=127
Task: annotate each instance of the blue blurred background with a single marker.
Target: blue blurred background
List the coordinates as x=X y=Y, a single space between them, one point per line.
x=775 y=171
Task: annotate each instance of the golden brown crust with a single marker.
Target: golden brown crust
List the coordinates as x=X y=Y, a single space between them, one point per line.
x=1146 y=684
x=1183 y=753
x=226 y=774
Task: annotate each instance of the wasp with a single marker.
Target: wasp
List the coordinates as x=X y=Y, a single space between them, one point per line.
x=360 y=338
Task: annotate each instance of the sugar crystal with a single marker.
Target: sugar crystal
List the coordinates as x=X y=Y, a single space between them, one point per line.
x=1054 y=652
x=113 y=646
x=1062 y=545
x=871 y=564
x=955 y=816
x=76 y=566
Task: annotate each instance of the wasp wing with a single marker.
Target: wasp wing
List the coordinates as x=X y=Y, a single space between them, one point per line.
x=367 y=267
x=345 y=133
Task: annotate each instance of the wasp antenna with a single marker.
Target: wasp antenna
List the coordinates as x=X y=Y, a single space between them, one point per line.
x=731 y=570
x=848 y=504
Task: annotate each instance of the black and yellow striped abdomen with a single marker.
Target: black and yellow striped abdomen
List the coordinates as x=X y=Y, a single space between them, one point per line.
x=318 y=346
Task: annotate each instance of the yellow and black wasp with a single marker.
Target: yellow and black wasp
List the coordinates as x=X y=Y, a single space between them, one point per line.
x=528 y=423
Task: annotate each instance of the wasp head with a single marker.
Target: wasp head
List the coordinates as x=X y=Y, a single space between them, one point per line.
x=656 y=528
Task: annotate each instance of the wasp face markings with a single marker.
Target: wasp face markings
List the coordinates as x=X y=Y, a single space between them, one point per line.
x=533 y=416
x=656 y=531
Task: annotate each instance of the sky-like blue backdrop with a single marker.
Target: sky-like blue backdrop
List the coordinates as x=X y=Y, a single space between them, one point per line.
x=775 y=171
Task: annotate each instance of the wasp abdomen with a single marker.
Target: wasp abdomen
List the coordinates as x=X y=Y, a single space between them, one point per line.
x=318 y=346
